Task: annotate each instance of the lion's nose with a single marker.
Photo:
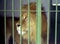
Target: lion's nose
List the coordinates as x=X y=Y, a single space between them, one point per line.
x=18 y=25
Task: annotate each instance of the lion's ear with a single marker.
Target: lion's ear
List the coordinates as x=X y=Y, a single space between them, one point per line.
x=32 y=6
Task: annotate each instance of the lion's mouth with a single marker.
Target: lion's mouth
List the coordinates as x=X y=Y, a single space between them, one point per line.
x=19 y=31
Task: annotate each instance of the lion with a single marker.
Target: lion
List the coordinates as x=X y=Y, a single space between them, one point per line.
x=23 y=24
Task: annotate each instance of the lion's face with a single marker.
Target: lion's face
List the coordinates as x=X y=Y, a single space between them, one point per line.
x=23 y=24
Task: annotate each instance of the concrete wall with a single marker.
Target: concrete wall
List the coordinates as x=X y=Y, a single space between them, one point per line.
x=17 y=6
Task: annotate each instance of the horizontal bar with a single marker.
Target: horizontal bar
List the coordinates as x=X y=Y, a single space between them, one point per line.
x=55 y=4
x=27 y=11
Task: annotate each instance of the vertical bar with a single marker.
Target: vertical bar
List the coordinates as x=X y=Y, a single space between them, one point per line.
x=21 y=21
x=13 y=20
x=56 y=25
x=48 y=22
x=39 y=22
x=5 y=20
x=29 y=22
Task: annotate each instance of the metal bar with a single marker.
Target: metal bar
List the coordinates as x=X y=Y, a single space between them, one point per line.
x=39 y=22
x=13 y=20
x=48 y=22
x=21 y=21
x=30 y=10
x=29 y=22
x=56 y=24
x=5 y=20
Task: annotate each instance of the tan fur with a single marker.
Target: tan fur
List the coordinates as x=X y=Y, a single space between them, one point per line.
x=25 y=23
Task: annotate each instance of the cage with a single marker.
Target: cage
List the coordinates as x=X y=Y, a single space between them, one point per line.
x=30 y=21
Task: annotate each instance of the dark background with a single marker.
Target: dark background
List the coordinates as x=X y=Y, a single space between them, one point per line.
x=52 y=23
